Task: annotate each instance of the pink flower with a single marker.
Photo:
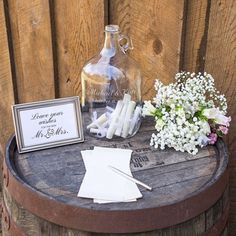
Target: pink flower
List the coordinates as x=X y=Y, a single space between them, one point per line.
x=223 y=129
x=212 y=138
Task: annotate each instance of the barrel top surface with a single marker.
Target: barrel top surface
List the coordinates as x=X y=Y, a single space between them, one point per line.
x=174 y=176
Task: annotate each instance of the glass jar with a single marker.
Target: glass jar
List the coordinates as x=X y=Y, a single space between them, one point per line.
x=111 y=89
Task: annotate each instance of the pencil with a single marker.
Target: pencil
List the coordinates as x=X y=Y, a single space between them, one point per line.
x=130 y=177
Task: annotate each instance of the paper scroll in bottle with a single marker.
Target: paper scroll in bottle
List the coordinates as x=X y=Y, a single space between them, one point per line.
x=121 y=118
x=98 y=122
x=112 y=128
x=135 y=119
x=128 y=117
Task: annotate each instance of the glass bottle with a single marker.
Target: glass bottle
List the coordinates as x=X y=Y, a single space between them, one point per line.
x=107 y=78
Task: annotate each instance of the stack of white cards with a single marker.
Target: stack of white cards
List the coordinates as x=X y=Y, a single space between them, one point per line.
x=101 y=183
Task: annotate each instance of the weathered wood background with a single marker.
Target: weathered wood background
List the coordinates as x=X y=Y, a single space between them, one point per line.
x=44 y=43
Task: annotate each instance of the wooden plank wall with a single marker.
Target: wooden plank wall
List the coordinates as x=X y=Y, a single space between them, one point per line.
x=44 y=43
x=32 y=49
x=221 y=61
x=6 y=84
x=156 y=44
x=210 y=45
x=79 y=34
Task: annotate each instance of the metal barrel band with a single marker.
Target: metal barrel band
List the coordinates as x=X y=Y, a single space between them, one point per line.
x=5 y=173
x=5 y=217
x=1 y=207
x=10 y=225
x=101 y=221
x=97 y=221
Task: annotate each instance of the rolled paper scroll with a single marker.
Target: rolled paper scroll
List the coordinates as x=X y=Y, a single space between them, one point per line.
x=100 y=132
x=98 y=122
x=115 y=115
x=128 y=116
x=137 y=113
x=94 y=130
x=121 y=118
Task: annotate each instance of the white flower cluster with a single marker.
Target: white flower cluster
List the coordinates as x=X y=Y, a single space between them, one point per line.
x=187 y=112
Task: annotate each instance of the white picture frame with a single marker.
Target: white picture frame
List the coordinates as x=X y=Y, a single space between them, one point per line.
x=47 y=124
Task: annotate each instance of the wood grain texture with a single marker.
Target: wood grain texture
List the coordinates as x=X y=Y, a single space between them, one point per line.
x=6 y=85
x=196 y=31
x=221 y=63
x=174 y=176
x=213 y=214
x=79 y=34
x=33 y=225
x=221 y=57
x=225 y=232
x=156 y=29
x=175 y=173
x=31 y=37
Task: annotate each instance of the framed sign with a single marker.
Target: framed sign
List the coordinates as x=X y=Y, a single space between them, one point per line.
x=46 y=124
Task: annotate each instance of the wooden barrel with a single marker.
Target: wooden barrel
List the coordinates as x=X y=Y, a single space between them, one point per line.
x=189 y=197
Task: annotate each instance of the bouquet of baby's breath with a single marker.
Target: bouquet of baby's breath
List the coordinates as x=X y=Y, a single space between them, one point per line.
x=189 y=113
